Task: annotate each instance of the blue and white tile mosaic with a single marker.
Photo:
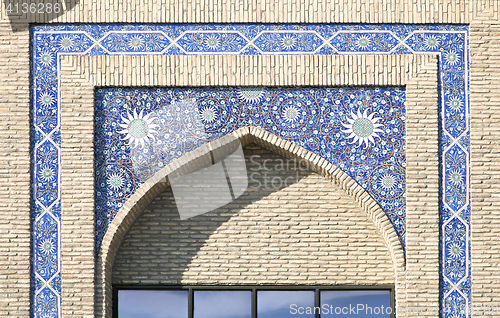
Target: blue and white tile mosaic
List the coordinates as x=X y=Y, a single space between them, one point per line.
x=450 y=42
x=360 y=130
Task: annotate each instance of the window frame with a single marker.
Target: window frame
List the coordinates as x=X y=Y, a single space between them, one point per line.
x=253 y=289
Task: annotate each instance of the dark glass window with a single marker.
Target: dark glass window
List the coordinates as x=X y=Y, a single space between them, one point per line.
x=285 y=304
x=252 y=302
x=222 y=304
x=356 y=303
x=153 y=303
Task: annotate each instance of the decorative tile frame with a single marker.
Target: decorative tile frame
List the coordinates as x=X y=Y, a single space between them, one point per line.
x=319 y=125
x=449 y=42
x=80 y=74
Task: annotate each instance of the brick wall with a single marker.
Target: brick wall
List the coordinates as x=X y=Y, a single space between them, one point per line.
x=310 y=232
x=14 y=108
x=14 y=174
x=485 y=169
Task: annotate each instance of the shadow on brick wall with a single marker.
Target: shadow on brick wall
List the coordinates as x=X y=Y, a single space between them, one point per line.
x=160 y=247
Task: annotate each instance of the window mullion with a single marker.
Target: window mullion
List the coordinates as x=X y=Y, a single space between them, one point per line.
x=317 y=302
x=254 y=302
x=190 y=303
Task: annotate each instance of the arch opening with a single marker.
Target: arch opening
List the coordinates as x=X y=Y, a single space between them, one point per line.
x=216 y=225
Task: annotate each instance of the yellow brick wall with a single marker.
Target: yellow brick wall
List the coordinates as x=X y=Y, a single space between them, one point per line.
x=310 y=232
x=485 y=158
x=482 y=15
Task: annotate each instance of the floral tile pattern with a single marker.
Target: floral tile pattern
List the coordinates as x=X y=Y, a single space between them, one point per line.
x=450 y=42
x=140 y=131
x=131 y=42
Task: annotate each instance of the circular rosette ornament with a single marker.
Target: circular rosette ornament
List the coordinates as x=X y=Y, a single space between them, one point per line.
x=139 y=129
x=363 y=128
x=209 y=113
x=387 y=182
x=292 y=115
x=215 y=114
x=251 y=95
x=114 y=182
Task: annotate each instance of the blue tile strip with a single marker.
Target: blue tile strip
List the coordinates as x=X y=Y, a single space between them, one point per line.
x=450 y=42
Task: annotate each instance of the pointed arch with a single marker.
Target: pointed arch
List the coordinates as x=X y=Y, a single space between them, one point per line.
x=190 y=162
